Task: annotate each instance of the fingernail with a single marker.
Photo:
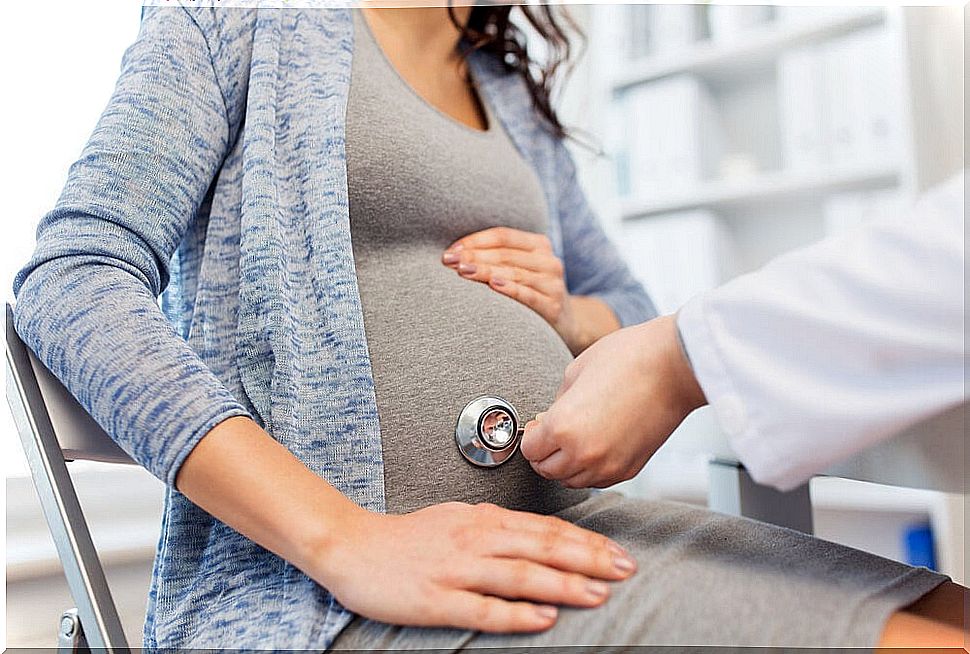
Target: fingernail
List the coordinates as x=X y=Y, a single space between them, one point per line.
x=498 y=281
x=450 y=257
x=614 y=547
x=597 y=589
x=467 y=268
x=624 y=563
x=547 y=612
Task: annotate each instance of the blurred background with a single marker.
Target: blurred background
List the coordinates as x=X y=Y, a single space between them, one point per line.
x=722 y=135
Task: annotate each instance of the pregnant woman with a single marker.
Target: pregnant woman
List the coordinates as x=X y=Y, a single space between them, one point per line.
x=361 y=220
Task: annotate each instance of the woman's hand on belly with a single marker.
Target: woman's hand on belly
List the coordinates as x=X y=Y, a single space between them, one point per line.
x=477 y=567
x=523 y=266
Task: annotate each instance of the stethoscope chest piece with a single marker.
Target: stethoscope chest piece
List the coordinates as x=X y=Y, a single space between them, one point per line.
x=488 y=431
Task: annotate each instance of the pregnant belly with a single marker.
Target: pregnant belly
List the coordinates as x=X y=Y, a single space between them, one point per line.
x=436 y=342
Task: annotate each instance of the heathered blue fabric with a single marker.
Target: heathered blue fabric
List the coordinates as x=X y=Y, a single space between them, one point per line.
x=217 y=175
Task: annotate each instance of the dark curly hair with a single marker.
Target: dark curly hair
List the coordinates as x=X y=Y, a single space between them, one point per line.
x=489 y=28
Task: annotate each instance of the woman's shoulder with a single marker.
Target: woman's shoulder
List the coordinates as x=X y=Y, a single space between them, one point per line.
x=221 y=26
x=228 y=34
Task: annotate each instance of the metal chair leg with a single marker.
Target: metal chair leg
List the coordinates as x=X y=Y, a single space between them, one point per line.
x=70 y=635
x=733 y=491
x=75 y=548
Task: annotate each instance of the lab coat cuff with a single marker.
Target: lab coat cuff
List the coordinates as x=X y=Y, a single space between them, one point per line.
x=697 y=334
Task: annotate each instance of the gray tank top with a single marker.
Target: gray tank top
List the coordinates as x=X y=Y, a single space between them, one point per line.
x=418 y=180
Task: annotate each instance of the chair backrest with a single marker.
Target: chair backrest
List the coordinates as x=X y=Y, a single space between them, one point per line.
x=53 y=428
x=79 y=436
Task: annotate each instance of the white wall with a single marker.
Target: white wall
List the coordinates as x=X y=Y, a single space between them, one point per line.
x=59 y=63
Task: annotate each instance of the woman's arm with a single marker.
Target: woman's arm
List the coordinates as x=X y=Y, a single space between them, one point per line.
x=593 y=266
x=474 y=567
x=86 y=300
x=594 y=319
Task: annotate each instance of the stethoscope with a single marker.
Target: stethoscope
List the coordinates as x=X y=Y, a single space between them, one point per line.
x=488 y=431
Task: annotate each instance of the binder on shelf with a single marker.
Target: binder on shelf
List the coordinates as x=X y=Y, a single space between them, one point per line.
x=844 y=99
x=880 y=71
x=800 y=90
x=672 y=135
x=677 y=255
x=861 y=73
x=612 y=22
x=839 y=102
x=794 y=14
x=845 y=211
x=617 y=137
x=660 y=30
x=728 y=23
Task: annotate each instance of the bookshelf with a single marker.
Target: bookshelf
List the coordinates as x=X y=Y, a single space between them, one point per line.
x=759 y=198
x=757 y=190
x=721 y=62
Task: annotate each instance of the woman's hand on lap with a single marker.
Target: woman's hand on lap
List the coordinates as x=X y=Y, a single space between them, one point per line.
x=523 y=266
x=477 y=567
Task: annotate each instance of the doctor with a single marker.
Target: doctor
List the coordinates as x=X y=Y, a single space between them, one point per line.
x=820 y=354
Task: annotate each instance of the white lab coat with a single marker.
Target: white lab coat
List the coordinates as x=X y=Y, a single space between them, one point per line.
x=832 y=348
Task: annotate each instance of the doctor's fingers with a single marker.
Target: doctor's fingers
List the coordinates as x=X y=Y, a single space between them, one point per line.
x=571 y=374
x=602 y=477
x=558 y=465
x=582 y=479
x=526 y=580
x=537 y=442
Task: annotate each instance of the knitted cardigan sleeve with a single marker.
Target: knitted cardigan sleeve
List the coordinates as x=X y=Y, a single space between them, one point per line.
x=593 y=265
x=86 y=300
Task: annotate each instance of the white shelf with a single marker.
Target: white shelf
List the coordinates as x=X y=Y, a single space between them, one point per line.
x=762 y=188
x=719 y=61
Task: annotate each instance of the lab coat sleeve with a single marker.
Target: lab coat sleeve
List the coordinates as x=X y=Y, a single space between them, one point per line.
x=835 y=347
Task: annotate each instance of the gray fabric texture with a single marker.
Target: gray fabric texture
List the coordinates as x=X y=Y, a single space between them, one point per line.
x=704 y=579
x=418 y=180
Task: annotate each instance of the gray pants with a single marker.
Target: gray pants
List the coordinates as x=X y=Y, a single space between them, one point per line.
x=704 y=579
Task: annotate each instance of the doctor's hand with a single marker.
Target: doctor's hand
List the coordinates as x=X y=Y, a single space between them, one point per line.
x=618 y=403
x=477 y=567
x=523 y=266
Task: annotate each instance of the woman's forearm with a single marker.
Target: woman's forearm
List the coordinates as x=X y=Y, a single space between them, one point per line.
x=252 y=483
x=595 y=320
x=450 y=564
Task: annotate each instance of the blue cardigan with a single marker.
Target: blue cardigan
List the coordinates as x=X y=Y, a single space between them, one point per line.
x=216 y=174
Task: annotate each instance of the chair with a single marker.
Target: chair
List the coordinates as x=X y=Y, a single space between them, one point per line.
x=930 y=456
x=54 y=430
